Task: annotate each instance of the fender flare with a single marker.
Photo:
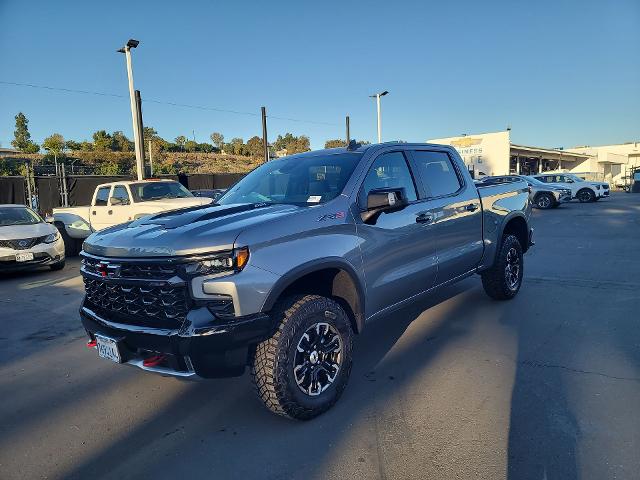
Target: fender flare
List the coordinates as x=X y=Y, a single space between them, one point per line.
x=312 y=266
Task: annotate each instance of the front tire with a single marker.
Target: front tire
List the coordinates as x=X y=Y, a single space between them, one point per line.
x=302 y=370
x=57 y=266
x=586 y=195
x=544 y=201
x=503 y=280
x=72 y=246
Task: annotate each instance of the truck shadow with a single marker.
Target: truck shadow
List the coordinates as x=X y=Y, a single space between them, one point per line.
x=220 y=426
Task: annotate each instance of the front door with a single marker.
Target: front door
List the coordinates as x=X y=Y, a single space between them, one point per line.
x=119 y=205
x=398 y=250
x=455 y=206
x=100 y=218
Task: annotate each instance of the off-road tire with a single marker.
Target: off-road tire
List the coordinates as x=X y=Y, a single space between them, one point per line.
x=494 y=280
x=72 y=246
x=273 y=361
x=544 y=201
x=57 y=266
x=585 y=195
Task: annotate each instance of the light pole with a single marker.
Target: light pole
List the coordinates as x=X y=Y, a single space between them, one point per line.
x=137 y=135
x=377 y=97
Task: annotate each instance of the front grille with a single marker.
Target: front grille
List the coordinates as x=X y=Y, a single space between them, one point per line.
x=148 y=271
x=163 y=306
x=22 y=243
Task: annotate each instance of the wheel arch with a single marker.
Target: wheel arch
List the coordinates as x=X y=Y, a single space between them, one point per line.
x=330 y=277
x=517 y=225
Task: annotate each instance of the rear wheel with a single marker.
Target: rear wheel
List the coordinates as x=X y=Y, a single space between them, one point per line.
x=301 y=371
x=585 y=195
x=502 y=281
x=544 y=201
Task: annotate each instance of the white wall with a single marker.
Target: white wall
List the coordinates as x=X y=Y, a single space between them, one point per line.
x=611 y=160
x=486 y=152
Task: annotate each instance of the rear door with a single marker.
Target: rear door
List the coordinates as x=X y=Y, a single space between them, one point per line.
x=398 y=250
x=100 y=218
x=457 y=216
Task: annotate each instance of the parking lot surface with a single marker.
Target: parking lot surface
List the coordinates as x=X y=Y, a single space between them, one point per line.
x=544 y=386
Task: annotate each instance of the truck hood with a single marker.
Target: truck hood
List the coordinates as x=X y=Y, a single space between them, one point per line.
x=17 y=232
x=191 y=231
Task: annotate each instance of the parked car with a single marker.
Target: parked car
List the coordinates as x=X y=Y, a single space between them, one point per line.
x=27 y=241
x=581 y=189
x=543 y=195
x=120 y=202
x=213 y=193
x=296 y=258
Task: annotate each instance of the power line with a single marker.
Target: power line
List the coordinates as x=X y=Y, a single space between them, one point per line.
x=162 y=102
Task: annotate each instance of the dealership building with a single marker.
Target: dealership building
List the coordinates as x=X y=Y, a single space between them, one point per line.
x=494 y=154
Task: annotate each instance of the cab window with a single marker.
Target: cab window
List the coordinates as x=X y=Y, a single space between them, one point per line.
x=389 y=170
x=120 y=192
x=438 y=173
x=102 y=196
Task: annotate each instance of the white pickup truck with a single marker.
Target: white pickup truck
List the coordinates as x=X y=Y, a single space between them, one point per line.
x=120 y=202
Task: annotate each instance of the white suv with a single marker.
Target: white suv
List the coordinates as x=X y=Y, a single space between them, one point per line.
x=581 y=189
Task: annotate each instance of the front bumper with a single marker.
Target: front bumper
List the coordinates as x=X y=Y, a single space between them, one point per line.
x=44 y=254
x=204 y=346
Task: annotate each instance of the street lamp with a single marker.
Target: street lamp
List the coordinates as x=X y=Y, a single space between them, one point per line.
x=137 y=135
x=377 y=97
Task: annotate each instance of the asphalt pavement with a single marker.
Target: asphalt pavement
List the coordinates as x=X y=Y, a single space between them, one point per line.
x=546 y=386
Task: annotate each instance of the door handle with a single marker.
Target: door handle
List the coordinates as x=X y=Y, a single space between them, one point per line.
x=472 y=207
x=93 y=212
x=110 y=212
x=424 y=218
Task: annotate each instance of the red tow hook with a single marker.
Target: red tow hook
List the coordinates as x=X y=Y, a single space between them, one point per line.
x=92 y=344
x=153 y=361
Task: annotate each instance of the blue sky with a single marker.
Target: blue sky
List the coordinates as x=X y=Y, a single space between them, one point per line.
x=560 y=73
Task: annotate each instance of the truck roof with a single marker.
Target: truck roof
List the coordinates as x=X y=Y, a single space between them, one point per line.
x=129 y=182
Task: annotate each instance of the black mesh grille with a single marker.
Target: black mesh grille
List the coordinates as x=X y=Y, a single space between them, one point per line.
x=149 y=271
x=163 y=306
x=22 y=243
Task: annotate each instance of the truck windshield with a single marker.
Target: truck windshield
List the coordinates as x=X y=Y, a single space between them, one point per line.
x=18 y=216
x=147 y=191
x=299 y=180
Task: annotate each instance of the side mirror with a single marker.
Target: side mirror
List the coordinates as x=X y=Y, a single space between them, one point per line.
x=118 y=201
x=49 y=219
x=382 y=200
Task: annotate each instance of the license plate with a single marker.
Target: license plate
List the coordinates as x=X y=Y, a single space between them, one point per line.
x=108 y=348
x=24 y=257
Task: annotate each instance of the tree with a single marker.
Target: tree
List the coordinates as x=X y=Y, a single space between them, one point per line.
x=22 y=137
x=236 y=147
x=54 y=144
x=292 y=144
x=217 y=139
x=255 y=146
x=73 y=145
x=180 y=141
x=191 y=146
x=335 y=143
x=86 y=146
x=121 y=143
x=102 y=141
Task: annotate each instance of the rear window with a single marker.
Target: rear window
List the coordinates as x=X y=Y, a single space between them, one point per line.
x=437 y=172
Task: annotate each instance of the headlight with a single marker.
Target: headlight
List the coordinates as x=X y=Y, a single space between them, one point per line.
x=597 y=187
x=52 y=237
x=233 y=261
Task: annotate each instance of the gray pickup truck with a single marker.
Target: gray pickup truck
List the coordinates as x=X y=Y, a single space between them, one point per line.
x=293 y=262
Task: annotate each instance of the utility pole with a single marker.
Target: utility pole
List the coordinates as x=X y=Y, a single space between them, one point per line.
x=150 y=160
x=137 y=135
x=265 y=142
x=140 y=128
x=348 y=134
x=377 y=97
